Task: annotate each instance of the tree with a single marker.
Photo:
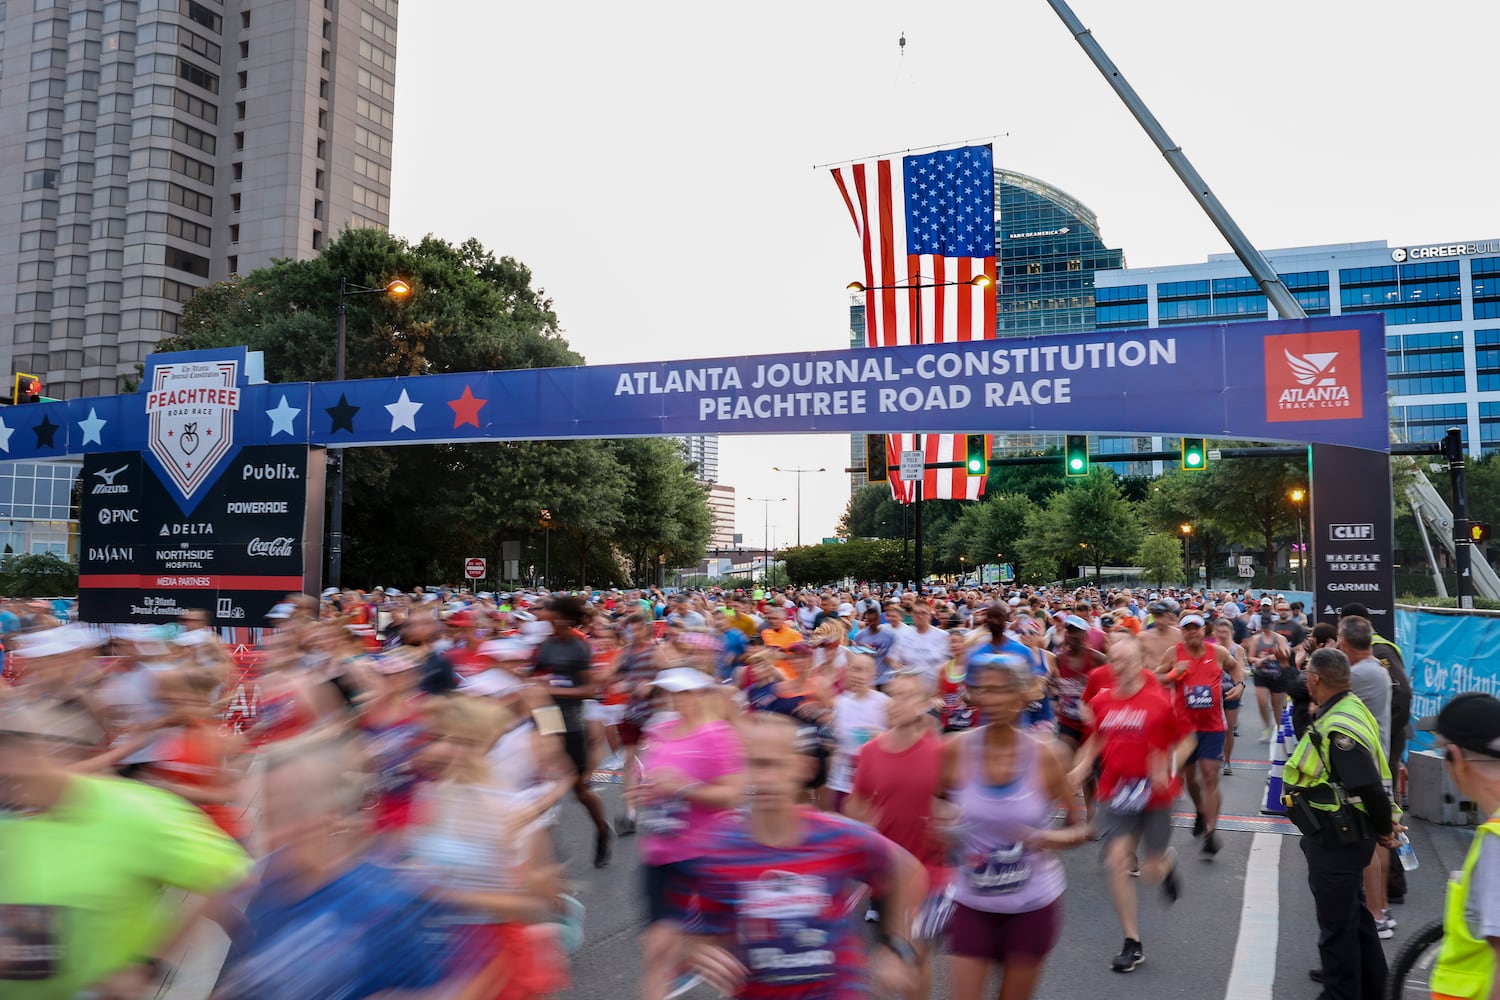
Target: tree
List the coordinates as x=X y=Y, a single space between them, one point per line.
x=412 y=514
x=1089 y=523
x=666 y=518
x=1251 y=501
x=987 y=531
x=39 y=574
x=872 y=513
x=1160 y=558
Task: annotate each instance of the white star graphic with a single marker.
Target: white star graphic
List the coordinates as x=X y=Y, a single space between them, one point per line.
x=91 y=427
x=283 y=419
x=5 y=433
x=403 y=412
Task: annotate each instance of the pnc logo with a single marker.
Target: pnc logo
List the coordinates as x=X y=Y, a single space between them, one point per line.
x=1313 y=376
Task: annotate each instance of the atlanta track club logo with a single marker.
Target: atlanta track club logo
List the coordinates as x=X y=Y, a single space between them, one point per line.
x=1313 y=376
x=190 y=408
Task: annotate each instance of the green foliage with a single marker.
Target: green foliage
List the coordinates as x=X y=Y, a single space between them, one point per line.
x=1087 y=524
x=987 y=531
x=414 y=513
x=43 y=574
x=1160 y=558
x=858 y=560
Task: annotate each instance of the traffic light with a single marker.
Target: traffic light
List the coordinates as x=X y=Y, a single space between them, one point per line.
x=1076 y=455
x=1479 y=531
x=977 y=454
x=877 y=464
x=1194 y=458
x=28 y=389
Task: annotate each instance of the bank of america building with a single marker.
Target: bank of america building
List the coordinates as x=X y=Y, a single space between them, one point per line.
x=1441 y=304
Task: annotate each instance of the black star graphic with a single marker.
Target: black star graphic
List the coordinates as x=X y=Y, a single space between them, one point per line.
x=343 y=415
x=44 y=432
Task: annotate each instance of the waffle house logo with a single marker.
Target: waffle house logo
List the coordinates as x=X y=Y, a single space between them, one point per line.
x=1313 y=376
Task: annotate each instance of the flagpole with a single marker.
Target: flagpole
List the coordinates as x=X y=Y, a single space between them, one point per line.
x=915 y=149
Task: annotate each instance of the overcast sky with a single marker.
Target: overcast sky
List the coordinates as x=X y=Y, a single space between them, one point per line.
x=652 y=163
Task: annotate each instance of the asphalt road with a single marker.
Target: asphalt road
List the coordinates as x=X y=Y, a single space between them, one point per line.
x=1226 y=937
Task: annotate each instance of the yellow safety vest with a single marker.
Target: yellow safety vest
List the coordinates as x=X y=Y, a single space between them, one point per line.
x=1304 y=768
x=1465 y=967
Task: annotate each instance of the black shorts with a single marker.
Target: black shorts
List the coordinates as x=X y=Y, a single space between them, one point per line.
x=668 y=892
x=576 y=746
x=1275 y=685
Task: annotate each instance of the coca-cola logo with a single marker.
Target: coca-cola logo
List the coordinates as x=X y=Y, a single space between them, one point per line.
x=269 y=547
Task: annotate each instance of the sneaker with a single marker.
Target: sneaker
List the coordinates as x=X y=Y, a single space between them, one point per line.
x=871 y=917
x=624 y=824
x=1171 y=883
x=602 y=849
x=614 y=762
x=1198 y=824
x=1390 y=920
x=1236 y=732
x=1265 y=737
x=1384 y=930
x=1228 y=769
x=1211 y=843
x=1129 y=957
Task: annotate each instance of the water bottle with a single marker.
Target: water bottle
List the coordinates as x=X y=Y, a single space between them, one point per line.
x=1405 y=852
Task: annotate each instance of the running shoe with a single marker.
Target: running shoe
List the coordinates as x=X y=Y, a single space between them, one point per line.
x=624 y=824
x=1129 y=957
x=1265 y=737
x=1386 y=915
x=1171 y=883
x=1211 y=844
x=1198 y=824
x=602 y=849
x=1228 y=769
x=1384 y=930
x=614 y=762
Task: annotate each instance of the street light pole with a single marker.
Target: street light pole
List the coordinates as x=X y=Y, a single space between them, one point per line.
x=1298 y=495
x=777 y=468
x=396 y=289
x=1187 y=551
x=765 y=538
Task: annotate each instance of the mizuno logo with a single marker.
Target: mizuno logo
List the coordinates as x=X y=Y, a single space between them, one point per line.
x=109 y=477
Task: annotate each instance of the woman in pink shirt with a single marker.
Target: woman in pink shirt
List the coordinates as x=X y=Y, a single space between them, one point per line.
x=692 y=770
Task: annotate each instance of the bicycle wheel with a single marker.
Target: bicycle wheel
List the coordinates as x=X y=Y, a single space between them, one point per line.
x=1411 y=970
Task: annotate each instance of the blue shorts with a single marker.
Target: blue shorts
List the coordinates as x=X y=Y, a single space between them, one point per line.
x=1210 y=747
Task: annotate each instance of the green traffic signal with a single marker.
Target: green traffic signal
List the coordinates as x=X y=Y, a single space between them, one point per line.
x=1194 y=458
x=1076 y=455
x=977 y=454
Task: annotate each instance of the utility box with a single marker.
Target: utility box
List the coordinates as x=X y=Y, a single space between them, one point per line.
x=1431 y=794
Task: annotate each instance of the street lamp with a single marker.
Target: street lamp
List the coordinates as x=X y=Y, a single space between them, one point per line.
x=766 y=538
x=980 y=281
x=1187 y=550
x=546 y=547
x=397 y=290
x=777 y=468
x=1298 y=495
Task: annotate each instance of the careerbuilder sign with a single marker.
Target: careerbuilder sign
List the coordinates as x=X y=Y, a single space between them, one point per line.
x=1403 y=254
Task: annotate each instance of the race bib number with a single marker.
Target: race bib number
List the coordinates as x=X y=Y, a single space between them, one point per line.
x=1001 y=871
x=30 y=942
x=1200 y=696
x=666 y=818
x=782 y=928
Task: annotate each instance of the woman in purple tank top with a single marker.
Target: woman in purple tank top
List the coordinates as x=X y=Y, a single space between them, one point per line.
x=1004 y=785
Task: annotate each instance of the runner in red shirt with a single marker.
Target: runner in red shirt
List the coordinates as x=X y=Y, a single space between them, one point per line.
x=1199 y=694
x=1138 y=737
x=898 y=780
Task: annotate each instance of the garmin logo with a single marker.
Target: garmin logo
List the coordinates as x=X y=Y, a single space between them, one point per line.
x=1403 y=254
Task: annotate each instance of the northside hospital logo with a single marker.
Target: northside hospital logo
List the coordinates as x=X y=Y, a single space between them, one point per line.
x=1313 y=376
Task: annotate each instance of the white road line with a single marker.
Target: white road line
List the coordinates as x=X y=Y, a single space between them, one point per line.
x=1253 y=974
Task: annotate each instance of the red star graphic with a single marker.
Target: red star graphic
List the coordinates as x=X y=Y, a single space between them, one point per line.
x=170 y=433
x=209 y=432
x=466 y=408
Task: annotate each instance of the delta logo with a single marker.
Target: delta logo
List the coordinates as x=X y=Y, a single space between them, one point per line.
x=1313 y=376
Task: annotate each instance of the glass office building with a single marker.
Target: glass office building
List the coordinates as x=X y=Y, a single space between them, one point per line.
x=1047 y=250
x=1441 y=304
x=38 y=509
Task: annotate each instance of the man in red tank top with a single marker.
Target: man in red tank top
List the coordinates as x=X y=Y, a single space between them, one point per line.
x=1199 y=693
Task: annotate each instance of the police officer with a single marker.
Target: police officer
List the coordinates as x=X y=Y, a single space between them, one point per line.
x=1468 y=729
x=1336 y=780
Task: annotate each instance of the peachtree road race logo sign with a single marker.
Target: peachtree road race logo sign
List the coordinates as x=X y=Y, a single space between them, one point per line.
x=190 y=408
x=1313 y=376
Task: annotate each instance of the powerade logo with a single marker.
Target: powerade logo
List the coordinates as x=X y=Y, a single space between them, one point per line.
x=1313 y=376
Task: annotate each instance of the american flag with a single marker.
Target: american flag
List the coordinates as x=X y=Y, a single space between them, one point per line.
x=926 y=219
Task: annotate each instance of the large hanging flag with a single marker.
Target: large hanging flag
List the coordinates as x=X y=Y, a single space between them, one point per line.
x=926 y=223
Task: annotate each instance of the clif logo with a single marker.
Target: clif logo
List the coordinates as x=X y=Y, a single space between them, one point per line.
x=1313 y=376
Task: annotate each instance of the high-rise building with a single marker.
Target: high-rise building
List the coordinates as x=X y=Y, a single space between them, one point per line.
x=1441 y=304
x=703 y=451
x=151 y=147
x=1047 y=249
x=721 y=505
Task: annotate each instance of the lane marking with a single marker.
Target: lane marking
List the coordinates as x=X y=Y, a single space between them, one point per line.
x=1253 y=974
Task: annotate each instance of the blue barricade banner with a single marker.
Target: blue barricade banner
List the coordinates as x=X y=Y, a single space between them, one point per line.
x=1446 y=655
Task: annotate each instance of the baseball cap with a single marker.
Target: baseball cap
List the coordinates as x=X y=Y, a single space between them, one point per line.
x=1073 y=621
x=1470 y=721
x=1265 y=602
x=1191 y=620
x=678 y=679
x=1164 y=606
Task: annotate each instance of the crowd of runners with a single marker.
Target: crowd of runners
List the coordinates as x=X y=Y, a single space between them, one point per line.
x=827 y=788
